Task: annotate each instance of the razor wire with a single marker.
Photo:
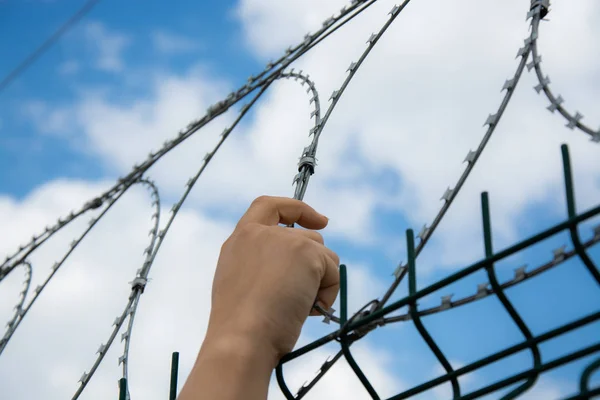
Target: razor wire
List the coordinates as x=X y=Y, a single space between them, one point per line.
x=374 y=313
x=556 y=102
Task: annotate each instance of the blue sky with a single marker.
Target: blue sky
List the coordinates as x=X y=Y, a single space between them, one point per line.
x=131 y=75
x=28 y=23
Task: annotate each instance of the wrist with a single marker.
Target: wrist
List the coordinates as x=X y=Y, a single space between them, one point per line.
x=244 y=348
x=229 y=368
x=243 y=334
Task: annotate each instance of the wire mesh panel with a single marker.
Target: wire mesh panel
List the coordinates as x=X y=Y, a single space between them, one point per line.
x=356 y=327
x=382 y=311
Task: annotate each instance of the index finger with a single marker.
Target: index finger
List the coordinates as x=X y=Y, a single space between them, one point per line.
x=270 y=210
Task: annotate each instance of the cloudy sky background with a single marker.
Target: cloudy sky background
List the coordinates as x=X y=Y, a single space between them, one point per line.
x=131 y=75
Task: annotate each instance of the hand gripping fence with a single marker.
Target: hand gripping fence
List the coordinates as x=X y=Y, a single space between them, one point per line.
x=375 y=313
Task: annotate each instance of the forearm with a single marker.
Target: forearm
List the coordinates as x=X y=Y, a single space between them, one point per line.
x=229 y=370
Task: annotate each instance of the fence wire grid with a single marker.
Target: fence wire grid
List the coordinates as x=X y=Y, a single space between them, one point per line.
x=350 y=329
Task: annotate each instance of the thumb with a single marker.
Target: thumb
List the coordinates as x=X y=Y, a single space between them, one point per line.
x=267 y=210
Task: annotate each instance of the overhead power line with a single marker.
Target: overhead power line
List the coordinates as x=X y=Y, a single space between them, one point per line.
x=31 y=58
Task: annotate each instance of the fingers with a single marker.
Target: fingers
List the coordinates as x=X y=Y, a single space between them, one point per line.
x=333 y=255
x=330 y=284
x=330 y=281
x=267 y=210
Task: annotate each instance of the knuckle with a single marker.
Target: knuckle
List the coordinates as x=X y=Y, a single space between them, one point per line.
x=321 y=264
x=261 y=200
x=302 y=245
x=336 y=257
x=247 y=230
x=318 y=237
x=309 y=251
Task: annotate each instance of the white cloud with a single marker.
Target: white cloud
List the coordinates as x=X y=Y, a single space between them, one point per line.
x=173 y=311
x=69 y=67
x=270 y=28
x=403 y=113
x=546 y=389
x=170 y=43
x=55 y=121
x=107 y=45
x=340 y=382
x=418 y=103
x=124 y=134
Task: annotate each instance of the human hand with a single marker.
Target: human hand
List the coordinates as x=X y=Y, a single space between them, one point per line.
x=268 y=276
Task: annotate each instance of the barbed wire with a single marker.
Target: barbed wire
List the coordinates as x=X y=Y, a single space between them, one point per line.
x=262 y=80
x=19 y=307
x=137 y=288
x=560 y=255
x=26 y=250
x=573 y=121
x=471 y=159
x=373 y=314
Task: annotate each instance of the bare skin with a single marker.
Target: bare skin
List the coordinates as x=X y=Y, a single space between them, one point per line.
x=265 y=284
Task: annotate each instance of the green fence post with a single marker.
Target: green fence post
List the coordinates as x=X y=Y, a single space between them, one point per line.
x=174 y=370
x=122 y=389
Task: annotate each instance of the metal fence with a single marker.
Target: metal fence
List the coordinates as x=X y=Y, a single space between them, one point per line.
x=361 y=323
